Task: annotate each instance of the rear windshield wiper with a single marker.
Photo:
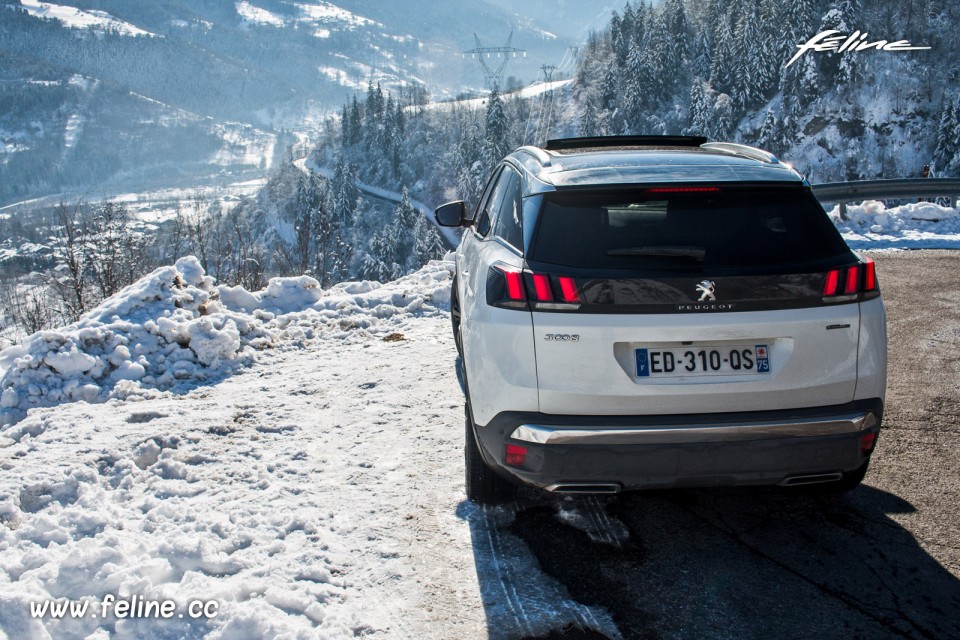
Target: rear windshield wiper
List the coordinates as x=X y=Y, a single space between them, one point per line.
x=693 y=253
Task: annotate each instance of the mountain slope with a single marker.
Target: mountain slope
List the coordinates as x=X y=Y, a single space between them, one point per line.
x=181 y=71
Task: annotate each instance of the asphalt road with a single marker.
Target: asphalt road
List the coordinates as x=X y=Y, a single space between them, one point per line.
x=882 y=561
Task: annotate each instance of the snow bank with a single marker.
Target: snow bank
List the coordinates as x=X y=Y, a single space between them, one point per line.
x=919 y=225
x=175 y=329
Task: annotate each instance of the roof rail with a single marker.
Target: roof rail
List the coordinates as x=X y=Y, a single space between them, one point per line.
x=625 y=141
x=743 y=150
x=542 y=156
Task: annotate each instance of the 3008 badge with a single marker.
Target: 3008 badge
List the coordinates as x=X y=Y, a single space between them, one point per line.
x=562 y=337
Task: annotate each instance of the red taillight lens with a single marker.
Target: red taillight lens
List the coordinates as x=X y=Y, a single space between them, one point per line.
x=568 y=287
x=832 y=284
x=505 y=287
x=514 y=285
x=852 y=282
x=516 y=455
x=867 y=441
x=870 y=278
x=541 y=287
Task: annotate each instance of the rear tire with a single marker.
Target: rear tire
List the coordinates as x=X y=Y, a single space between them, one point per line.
x=483 y=485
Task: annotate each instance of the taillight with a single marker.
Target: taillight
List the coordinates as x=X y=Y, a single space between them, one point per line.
x=510 y=288
x=870 y=276
x=851 y=283
x=505 y=287
x=832 y=283
x=541 y=288
x=514 y=285
x=568 y=286
x=856 y=282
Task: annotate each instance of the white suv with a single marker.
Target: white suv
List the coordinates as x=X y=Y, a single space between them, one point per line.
x=661 y=312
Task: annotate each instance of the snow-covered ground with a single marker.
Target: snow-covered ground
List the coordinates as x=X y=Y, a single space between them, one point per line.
x=294 y=455
x=78 y=19
x=918 y=225
x=531 y=91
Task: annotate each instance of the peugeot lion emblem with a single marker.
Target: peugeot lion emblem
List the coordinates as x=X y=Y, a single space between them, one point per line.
x=705 y=289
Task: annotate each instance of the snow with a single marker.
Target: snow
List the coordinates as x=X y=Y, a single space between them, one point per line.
x=917 y=225
x=313 y=492
x=174 y=329
x=78 y=19
x=534 y=89
x=325 y=13
x=255 y=15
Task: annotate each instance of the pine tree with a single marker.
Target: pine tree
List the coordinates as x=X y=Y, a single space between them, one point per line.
x=699 y=113
x=663 y=64
x=356 y=122
x=495 y=130
x=345 y=134
x=722 y=117
x=723 y=65
x=947 y=153
x=768 y=132
x=380 y=262
x=397 y=237
x=587 y=125
x=702 y=54
x=427 y=243
x=678 y=29
x=635 y=92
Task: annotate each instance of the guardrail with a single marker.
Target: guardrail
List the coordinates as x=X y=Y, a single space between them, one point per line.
x=843 y=193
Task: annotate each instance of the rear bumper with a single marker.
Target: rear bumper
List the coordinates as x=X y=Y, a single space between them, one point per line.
x=638 y=452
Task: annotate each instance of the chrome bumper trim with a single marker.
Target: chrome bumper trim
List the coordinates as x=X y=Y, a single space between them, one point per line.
x=678 y=434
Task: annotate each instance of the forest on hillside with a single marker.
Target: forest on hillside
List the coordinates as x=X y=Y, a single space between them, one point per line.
x=716 y=69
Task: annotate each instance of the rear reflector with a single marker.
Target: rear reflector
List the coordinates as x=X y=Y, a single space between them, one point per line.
x=516 y=455
x=867 y=441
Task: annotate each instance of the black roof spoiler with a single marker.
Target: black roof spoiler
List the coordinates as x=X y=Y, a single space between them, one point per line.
x=625 y=141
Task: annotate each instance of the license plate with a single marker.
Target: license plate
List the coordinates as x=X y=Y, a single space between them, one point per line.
x=703 y=361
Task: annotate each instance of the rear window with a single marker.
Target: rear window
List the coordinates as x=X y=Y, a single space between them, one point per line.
x=754 y=228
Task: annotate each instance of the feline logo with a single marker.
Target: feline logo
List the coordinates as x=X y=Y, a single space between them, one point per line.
x=856 y=41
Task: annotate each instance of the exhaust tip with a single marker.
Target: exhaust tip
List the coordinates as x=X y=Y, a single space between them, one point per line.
x=577 y=487
x=794 y=481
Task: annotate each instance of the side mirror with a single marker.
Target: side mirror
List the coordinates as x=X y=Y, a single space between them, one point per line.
x=452 y=214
